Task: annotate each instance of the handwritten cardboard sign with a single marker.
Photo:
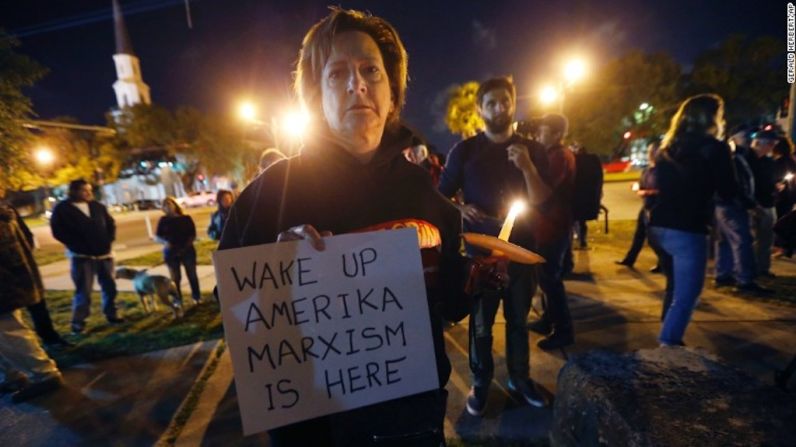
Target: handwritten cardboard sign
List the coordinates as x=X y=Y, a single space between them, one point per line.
x=313 y=333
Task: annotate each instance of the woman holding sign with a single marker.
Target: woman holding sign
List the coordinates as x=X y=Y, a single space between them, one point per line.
x=351 y=176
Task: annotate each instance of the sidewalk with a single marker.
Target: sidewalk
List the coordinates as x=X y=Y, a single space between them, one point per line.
x=121 y=401
x=132 y=401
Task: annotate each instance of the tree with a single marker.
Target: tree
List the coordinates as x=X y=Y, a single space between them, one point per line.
x=608 y=105
x=207 y=142
x=78 y=154
x=144 y=126
x=16 y=72
x=461 y=115
x=748 y=73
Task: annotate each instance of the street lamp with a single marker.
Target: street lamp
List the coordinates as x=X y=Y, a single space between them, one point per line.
x=548 y=94
x=295 y=123
x=574 y=70
x=247 y=111
x=44 y=156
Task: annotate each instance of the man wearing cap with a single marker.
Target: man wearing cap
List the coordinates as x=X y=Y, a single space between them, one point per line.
x=763 y=215
x=552 y=229
x=735 y=258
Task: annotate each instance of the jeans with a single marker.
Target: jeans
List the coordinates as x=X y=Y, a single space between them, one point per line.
x=83 y=272
x=186 y=258
x=551 y=281
x=516 y=306
x=762 y=222
x=734 y=254
x=684 y=262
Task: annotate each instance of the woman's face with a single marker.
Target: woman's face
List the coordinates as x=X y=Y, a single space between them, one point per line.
x=168 y=208
x=355 y=93
x=226 y=200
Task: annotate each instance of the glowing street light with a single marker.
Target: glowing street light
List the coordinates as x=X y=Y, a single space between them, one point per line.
x=247 y=111
x=44 y=156
x=295 y=123
x=548 y=94
x=574 y=70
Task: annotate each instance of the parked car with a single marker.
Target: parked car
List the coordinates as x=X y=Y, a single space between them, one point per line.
x=147 y=204
x=198 y=198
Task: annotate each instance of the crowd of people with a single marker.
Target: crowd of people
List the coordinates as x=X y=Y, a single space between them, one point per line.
x=352 y=72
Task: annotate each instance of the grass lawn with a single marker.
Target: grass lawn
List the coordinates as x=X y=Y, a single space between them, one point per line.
x=36 y=221
x=138 y=334
x=204 y=252
x=620 y=235
x=49 y=254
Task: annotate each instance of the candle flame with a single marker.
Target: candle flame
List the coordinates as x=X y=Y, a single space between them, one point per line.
x=516 y=208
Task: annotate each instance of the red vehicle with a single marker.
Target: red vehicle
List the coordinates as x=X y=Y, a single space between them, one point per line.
x=616 y=166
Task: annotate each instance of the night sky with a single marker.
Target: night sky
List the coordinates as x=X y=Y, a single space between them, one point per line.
x=243 y=48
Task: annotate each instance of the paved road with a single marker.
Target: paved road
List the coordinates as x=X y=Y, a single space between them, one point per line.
x=131 y=229
x=620 y=200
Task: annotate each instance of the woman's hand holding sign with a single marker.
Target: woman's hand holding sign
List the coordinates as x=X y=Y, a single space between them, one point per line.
x=307 y=232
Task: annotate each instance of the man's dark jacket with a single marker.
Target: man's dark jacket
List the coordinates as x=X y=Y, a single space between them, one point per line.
x=83 y=235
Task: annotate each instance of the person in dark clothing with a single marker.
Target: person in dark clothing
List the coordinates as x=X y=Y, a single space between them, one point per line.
x=27 y=371
x=352 y=176
x=588 y=192
x=88 y=230
x=224 y=199
x=493 y=169
x=176 y=231
x=692 y=166
x=647 y=191
x=764 y=214
x=785 y=173
x=735 y=259
x=552 y=231
x=42 y=323
x=268 y=158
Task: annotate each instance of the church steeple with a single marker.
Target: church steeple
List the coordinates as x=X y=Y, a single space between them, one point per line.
x=123 y=45
x=129 y=87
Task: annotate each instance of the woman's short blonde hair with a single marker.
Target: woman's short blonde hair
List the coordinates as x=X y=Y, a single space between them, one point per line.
x=317 y=47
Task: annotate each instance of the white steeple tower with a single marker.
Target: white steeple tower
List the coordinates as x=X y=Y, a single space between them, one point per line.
x=129 y=87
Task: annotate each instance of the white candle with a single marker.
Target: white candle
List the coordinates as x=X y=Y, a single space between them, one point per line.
x=516 y=208
x=148 y=225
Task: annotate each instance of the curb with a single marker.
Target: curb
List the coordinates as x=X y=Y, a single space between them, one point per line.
x=183 y=414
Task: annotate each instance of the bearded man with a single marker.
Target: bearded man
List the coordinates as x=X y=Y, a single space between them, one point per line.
x=492 y=170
